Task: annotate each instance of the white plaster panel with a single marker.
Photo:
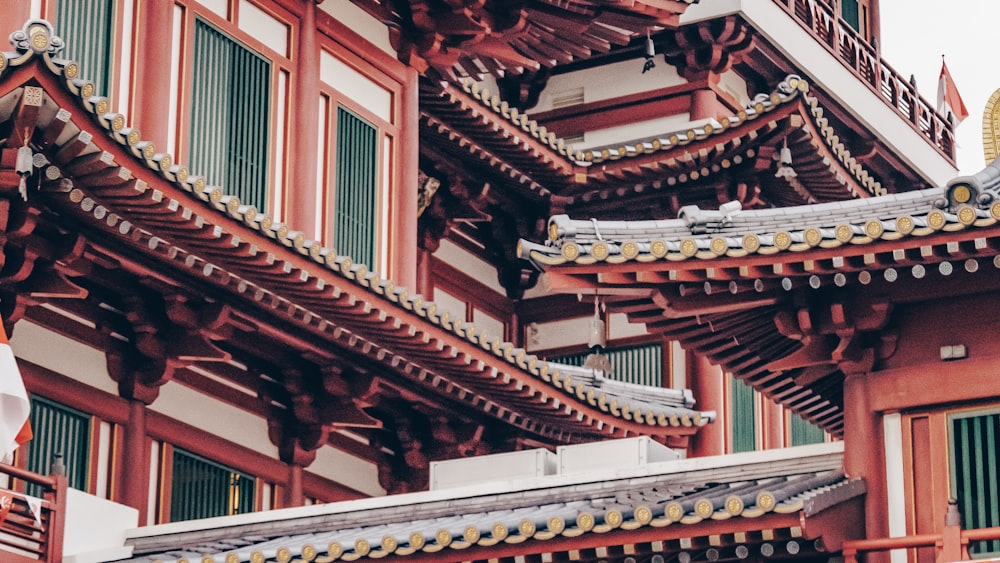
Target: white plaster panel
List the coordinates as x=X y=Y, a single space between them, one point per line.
x=218 y=7
x=359 y=88
x=609 y=81
x=351 y=471
x=62 y=355
x=360 y=22
x=264 y=27
x=447 y=302
x=470 y=265
x=559 y=334
x=634 y=131
x=125 y=69
x=201 y=411
x=619 y=327
x=280 y=134
x=95 y=525
x=893 y=441
x=494 y=327
x=678 y=366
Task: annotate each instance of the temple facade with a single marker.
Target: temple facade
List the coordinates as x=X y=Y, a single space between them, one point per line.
x=303 y=268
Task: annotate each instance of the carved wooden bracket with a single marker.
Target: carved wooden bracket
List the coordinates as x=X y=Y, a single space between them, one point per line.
x=709 y=46
x=850 y=335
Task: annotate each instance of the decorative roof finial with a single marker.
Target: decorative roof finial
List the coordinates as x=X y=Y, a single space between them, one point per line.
x=37 y=37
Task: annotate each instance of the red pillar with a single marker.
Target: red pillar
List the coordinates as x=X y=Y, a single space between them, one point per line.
x=150 y=89
x=707 y=385
x=774 y=425
x=863 y=452
x=703 y=104
x=403 y=230
x=293 y=490
x=135 y=461
x=304 y=125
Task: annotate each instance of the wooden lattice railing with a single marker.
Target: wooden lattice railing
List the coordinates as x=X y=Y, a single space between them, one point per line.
x=820 y=19
x=24 y=535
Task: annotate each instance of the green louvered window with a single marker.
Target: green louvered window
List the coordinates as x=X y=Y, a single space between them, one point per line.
x=230 y=108
x=355 y=196
x=743 y=416
x=203 y=489
x=86 y=26
x=849 y=11
x=975 y=476
x=59 y=430
x=642 y=364
x=805 y=432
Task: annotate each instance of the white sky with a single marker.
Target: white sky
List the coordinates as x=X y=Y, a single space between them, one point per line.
x=915 y=33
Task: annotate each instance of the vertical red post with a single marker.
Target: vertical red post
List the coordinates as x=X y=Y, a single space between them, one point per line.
x=863 y=452
x=135 y=462
x=150 y=89
x=403 y=232
x=300 y=192
x=293 y=491
x=774 y=425
x=707 y=385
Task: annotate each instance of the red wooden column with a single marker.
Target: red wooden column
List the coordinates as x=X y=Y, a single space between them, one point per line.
x=135 y=462
x=304 y=125
x=774 y=425
x=403 y=233
x=150 y=90
x=863 y=451
x=704 y=104
x=707 y=383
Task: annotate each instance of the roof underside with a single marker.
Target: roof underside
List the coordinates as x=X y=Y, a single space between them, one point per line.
x=786 y=299
x=116 y=239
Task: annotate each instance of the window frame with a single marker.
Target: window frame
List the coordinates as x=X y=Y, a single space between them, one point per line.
x=951 y=419
x=388 y=148
x=282 y=75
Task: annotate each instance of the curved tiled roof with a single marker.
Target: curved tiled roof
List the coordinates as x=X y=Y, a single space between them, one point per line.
x=121 y=186
x=763 y=231
x=717 y=280
x=518 y=147
x=673 y=502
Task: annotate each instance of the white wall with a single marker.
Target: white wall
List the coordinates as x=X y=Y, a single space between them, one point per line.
x=360 y=22
x=95 y=528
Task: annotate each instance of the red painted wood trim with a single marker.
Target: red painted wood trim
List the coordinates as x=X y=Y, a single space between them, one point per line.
x=458 y=283
x=402 y=227
x=361 y=47
x=72 y=393
x=622 y=110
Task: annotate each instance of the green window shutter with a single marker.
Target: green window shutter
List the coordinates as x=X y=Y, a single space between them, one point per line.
x=86 y=27
x=975 y=476
x=805 y=432
x=203 y=489
x=849 y=11
x=356 y=188
x=230 y=108
x=62 y=430
x=642 y=364
x=743 y=416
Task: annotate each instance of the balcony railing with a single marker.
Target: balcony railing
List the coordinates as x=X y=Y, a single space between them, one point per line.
x=843 y=42
x=27 y=535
